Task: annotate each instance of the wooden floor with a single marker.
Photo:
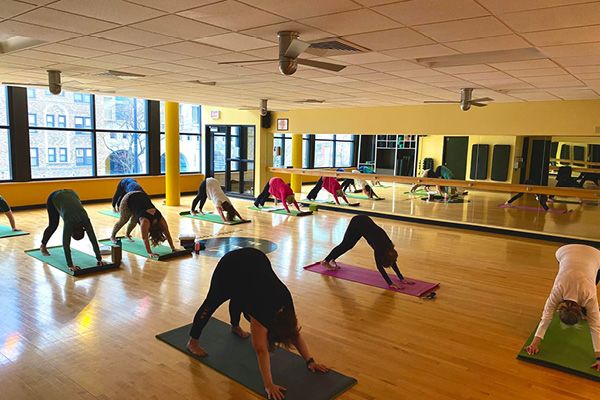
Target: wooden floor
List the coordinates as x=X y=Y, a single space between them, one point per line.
x=93 y=337
x=579 y=221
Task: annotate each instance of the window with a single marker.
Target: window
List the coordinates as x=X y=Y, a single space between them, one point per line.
x=189 y=153
x=4 y=155
x=120 y=113
x=81 y=98
x=121 y=156
x=344 y=150
x=83 y=122
x=47 y=93
x=189 y=131
x=83 y=157
x=33 y=154
x=189 y=118
x=62 y=121
x=62 y=155
x=50 y=121
x=30 y=93
x=32 y=120
x=51 y=155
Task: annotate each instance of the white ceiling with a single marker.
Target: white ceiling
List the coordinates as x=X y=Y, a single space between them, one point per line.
x=174 y=42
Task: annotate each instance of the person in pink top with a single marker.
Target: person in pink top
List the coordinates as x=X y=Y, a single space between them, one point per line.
x=331 y=185
x=280 y=190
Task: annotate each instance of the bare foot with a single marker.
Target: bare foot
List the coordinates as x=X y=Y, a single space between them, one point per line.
x=193 y=346
x=44 y=250
x=113 y=240
x=240 y=332
x=334 y=264
x=130 y=239
x=328 y=265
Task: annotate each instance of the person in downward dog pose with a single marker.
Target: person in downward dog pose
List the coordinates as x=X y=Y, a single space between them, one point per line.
x=125 y=186
x=331 y=185
x=428 y=173
x=574 y=294
x=280 y=190
x=385 y=255
x=210 y=188
x=246 y=278
x=5 y=208
x=541 y=198
x=361 y=184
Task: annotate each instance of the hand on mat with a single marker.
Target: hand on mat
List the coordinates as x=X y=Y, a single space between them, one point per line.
x=153 y=255
x=73 y=267
x=395 y=286
x=532 y=349
x=314 y=367
x=100 y=263
x=16 y=230
x=407 y=281
x=596 y=366
x=275 y=392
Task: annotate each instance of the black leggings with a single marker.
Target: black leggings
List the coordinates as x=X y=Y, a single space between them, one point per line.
x=263 y=196
x=346 y=184
x=597 y=277
x=201 y=196
x=315 y=191
x=541 y=198
x=53 y=218
x=351 y=237
x=586 y=176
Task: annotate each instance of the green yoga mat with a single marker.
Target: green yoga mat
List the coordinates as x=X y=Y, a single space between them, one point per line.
x=235 y=357
x=332 y=203
x=565 y=348
x=110 y=214
x=382 y=186
x=216 y=218
x=417 y=193
x=294 y=213
x=86 y=262
x=362 y=196
x=137 y=247
x=6 y=231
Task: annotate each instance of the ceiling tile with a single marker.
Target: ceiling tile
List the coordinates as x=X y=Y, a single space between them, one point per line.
x=235 y=41
x=550 y=80
x=553 y=18
x=509 y=6
x=417 y=73
x=589 y=76
x=15 y=28
x=117 y=11
x=157 y=55
x=412 y=53
x=400 y=83
x=484 y=76
x=389 y=39
x=364 y=58
x=136 y=36
x=232 y=15
x=180 y=27
x=172 y=5
x=294 y=9
x=44 y=56
x=584 y=34
x=11 y=8
x=507 y=42
x=352 y=22
x=94 y=43
x=473 y=28
x=466 y=69
x=394 y=66
x=524 y=73
x=530 y=64
x=586 y=69
x=535 y=96
x=60 y=48
x=418 y=12
x=371 y=3
x=372 y=77
x=578 y=61
x=66 y=21
x=307 y=33
x=192 y=49
x=333 y=79
x=436 y=79
x=123 y=59
x=571 y=50
x=568 y=94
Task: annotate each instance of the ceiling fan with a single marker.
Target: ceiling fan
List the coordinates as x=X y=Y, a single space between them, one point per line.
x=290 y=49
x=466 y=100
x=262 y=108
x=54 y=85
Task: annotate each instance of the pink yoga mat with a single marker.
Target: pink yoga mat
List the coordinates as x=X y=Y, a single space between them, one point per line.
x=372 y=278
x=538 y=209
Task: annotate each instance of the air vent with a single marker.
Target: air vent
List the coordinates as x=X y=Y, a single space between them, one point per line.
x=597 y=129
x=122 y=74
x=335 y=47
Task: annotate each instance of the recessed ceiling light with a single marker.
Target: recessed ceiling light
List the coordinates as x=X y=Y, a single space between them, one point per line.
x=486 y=57
x=8 y=44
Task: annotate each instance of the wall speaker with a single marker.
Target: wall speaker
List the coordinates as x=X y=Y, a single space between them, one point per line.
x=265 y=121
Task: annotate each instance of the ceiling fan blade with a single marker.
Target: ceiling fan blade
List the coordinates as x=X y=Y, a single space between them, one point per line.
x=247 y=61
x=483 y=99
x=321 y=65
x=477 y=104
x=25 y=84
x=296 y=48
x=441 y=102
x=247 y=108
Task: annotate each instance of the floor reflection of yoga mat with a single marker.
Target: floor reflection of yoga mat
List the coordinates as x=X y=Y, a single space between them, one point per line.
x=137 y=247
x=6 y=231
x=565 y=348
x=383 y=186
x=362 y=196
x=417 y=193
x=277 y=210
x=110 y=214
x=440 y=199
x=574 y=202
x=216 y=218
x=373 y=278
x=333 y=203
x=86 y=262
x=538 y=209
x=235 y=358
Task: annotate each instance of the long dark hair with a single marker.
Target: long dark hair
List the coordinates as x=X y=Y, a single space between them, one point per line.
x=389 y=256
x=156 y=235
x=229 y=210
x=283 y=331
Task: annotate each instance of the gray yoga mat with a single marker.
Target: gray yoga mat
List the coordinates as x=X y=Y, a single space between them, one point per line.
x=235 y=358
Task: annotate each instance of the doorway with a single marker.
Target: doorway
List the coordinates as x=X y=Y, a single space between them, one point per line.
x=455 y=155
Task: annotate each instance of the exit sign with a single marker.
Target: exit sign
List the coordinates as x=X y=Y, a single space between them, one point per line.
x=215 y=114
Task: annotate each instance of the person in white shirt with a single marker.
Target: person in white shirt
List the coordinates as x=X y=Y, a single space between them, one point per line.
x=362 y=184
x=574 y=288
x=210 y=188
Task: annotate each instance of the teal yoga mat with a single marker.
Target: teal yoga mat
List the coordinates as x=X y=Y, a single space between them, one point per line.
x=565 y=348
x=383 y=186
x=86 y=262
x=331 y=202
x=235 y=357
x=110 y=213
x=216 y=218
x=276 y=210
x=362 y=196
x=6 y=231
x=137 y=247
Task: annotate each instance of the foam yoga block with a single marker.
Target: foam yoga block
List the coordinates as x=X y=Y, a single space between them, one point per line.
x=235 y=357
x=538 y=209
x=110 y=213
x=216 y=218
x=277 y=210
x=332 y=203
x=137 y=247
x=362 y=196
x=6 y=231
x=566 y=348
x=373 y=278
x=86 y=262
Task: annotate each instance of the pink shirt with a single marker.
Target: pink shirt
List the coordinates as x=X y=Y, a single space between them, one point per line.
x=331 y=184
x=281 y=190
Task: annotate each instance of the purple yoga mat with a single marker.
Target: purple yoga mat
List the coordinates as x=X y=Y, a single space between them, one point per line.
x=538 y=209
x=372 y=278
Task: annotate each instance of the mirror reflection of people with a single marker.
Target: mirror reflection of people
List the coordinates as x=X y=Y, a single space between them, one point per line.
x=565 y=179
x=332 y=186
x=246 y=278
x=428 y=173
x=362 y=185
x=445 y=173
x=541 y=198
x=574 y=294
x=125 y=186
x=211 y=189
x=5 y=208
x=280 y=190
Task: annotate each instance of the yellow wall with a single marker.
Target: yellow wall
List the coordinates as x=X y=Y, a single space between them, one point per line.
x=36 y=193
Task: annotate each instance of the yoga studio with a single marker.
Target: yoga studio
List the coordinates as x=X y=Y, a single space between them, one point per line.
x=299 y=199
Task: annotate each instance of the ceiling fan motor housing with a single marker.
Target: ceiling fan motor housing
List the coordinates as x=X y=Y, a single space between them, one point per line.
x=287 y=65
x=54 y=83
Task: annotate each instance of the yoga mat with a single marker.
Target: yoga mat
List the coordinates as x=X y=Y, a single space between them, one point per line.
x=216 y=218
x=382 y=186
x=440 y=199
x=56 y=259
x=235 y=358
x=362 y=196
x=538 y=209
x=277 y=210
x=6 y=231
x=417 y=193
x=137 y=247
x=565 y=348
x=373 y=278
x=333 y=203
x=574 y=202
x=110 y=214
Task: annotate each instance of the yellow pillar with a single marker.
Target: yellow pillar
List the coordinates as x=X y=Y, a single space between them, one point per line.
x=297 y=161
x=172 y=153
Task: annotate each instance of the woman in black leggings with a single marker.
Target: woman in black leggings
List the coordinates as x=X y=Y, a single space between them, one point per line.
x=125 y=186
x=385 y=255
x=245 y=278
x=541 y=198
